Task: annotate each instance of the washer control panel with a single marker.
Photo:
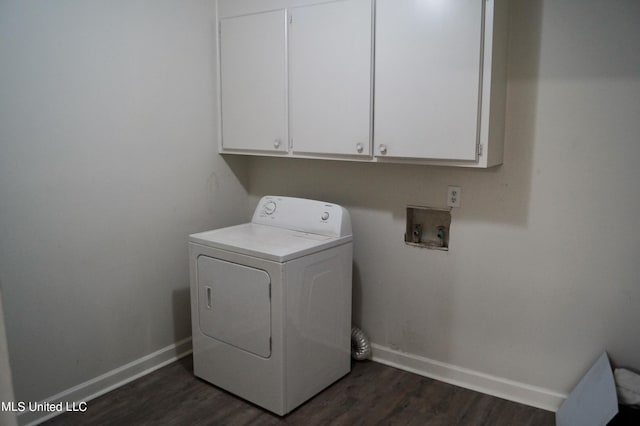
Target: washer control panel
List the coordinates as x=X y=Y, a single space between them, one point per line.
x=299 y=214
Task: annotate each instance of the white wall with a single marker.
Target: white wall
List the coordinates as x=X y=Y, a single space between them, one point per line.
x=543 y=272
x=108 y=161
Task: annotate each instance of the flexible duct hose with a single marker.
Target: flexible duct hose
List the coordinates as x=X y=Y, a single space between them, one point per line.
x=360 y=347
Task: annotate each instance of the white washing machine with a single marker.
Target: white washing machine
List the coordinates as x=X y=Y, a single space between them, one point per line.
x=271 y=302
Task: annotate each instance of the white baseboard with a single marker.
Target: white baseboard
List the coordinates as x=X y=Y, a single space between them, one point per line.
x=492 y=385
x=109 y=381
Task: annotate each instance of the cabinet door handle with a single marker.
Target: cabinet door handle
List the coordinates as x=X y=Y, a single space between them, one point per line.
x=359 y=147
x=276 y=143
x=383 y=149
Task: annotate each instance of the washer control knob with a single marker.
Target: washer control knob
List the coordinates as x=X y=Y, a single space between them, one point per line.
x=325 y=216
x=269 y=207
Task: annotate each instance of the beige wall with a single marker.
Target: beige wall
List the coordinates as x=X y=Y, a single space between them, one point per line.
x=543 y=272
x=108 y=161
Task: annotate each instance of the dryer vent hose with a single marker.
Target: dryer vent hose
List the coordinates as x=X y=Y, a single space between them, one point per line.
x=360 y=347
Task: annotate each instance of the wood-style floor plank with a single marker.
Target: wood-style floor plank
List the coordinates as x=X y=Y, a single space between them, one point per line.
x=372 y=394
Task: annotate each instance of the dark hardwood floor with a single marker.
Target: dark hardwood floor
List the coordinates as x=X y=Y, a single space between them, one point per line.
x=372 y=394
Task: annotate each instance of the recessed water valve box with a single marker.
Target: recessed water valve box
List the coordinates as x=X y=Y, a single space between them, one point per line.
x=428 y=227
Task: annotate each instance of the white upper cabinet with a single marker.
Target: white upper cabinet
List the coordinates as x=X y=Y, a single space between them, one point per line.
x=433 y=67
x=406 y=81
x=253 y=82
x=330 y=78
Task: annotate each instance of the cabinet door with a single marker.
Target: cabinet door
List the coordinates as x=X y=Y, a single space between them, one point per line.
x=253 y=82
x=427 y=78
x=330 y=78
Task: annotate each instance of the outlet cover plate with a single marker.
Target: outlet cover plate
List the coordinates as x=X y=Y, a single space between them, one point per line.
x=454 y=195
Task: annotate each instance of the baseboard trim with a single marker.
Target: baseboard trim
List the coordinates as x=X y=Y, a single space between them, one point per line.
x=523 y=393
x=109 y=381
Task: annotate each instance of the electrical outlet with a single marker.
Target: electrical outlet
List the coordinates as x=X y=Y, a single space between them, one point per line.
x=454 y=194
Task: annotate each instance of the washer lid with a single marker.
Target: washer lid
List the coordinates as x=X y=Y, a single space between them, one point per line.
x=267 y=242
